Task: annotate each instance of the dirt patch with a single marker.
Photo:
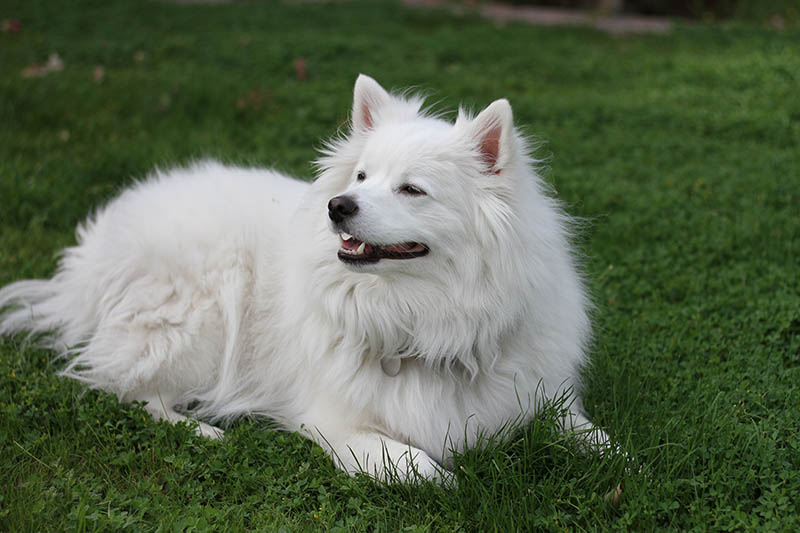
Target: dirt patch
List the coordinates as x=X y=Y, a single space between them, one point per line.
x=547 y=16
x=199 y=1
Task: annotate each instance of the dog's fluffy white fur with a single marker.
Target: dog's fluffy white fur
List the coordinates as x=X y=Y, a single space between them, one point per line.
x=232 y=288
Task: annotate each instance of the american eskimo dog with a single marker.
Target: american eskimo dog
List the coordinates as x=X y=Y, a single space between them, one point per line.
x=420 y=293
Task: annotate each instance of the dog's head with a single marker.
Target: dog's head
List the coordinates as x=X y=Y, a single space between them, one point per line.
x=439 y=237
x=409 y=191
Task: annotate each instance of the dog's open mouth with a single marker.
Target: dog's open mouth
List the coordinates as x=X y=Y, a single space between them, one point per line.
x=352 y=250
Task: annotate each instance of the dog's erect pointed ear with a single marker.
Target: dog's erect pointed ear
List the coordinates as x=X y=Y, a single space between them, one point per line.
x=368 y=98
x=493 y=131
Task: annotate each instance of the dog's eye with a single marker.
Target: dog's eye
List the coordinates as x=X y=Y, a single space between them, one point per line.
x=411 y=190
x=361 y=176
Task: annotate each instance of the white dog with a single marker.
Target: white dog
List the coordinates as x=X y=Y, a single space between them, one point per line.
x=420 y=293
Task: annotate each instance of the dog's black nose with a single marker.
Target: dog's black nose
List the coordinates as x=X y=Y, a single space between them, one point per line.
x=341 y=207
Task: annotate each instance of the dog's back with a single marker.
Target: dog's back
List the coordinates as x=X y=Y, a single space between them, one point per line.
x=153 y=276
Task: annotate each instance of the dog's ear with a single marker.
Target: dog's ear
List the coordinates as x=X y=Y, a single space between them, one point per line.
x=368 y=98
x=493 y=132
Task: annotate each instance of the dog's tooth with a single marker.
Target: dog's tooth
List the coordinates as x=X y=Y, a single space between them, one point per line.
x=345 y=237
x=360 y=249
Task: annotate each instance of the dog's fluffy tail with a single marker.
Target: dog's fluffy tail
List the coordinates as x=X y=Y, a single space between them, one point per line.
x=47 y=310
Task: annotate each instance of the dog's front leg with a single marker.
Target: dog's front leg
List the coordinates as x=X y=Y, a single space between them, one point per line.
x=383 y=459
x=358 y=450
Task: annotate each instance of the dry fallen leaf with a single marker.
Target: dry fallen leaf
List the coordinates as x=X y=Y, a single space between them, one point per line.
x=254 y=100
x=10 y=26
x=777 y=22
x=54 y=64
x=300 y=68
x=99 y=74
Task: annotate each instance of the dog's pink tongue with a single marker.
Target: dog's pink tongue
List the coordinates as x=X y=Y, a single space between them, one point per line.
x=351 y=244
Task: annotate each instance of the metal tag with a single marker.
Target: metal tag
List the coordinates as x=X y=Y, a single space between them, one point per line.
x=391 y=366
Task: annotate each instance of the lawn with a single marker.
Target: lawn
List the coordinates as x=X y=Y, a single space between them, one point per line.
x=681 y=153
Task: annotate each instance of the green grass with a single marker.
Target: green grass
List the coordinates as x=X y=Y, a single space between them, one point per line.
x=682 y=152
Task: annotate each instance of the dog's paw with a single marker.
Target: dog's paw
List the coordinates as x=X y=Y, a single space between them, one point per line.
x=208 y=431
x=414 y=464
x=390 y=461
x=402 y=463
